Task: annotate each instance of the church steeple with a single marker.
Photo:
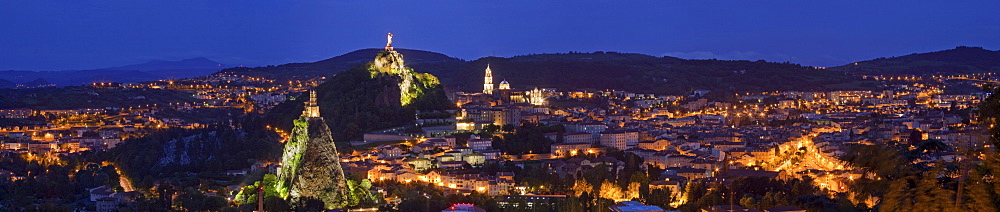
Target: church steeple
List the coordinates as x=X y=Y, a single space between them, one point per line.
x=312 y=109
x=488 y=85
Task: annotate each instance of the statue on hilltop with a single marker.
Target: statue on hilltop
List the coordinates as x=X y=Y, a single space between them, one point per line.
x=388 y=44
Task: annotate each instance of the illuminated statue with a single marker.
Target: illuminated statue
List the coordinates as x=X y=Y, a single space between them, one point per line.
x=388 y=45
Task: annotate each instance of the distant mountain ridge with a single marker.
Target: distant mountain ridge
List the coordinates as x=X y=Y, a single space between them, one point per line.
x=7 y=84
x=148 y=71
x=154 y=65
x=960 y=60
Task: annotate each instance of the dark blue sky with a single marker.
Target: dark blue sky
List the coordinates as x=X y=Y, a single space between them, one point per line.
x=54 y=35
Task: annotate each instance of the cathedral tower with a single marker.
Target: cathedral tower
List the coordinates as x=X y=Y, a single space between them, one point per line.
x=488 y=85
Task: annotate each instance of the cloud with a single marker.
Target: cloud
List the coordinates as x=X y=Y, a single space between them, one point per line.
x=817 y=60
x=691 y=55
x=732 y=55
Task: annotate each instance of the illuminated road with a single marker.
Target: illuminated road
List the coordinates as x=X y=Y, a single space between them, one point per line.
x=125 y=183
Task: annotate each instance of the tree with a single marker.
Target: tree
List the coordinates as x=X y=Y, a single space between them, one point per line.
x=773 y=199
x=571 y=204
x=248 y=194
x=977 y=196
x=581 y=186
x=491 y=128
x=274 y=203
x=915 y=137
x=602 y=204
x=748 y=201
x=660 y=197
x=929 y=195
x=931 y=147
x=632 y=191
x=817 y=203
x=214 y=203
x=610 y=190
x=192 y=200
x=694 y=191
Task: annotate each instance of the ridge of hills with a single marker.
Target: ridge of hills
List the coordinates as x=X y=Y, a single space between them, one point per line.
x=960 y=60
x=650 y=74
x=328 y=67
x=191 y=63
x=148 y=71
x=599 y=70
x=643 y=74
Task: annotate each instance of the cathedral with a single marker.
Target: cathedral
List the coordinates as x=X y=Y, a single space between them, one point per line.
x=503 y=94
x=498 y=104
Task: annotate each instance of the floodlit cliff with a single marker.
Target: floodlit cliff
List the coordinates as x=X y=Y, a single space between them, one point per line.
x=411 y=84
x=311 y=168
x=379 y=94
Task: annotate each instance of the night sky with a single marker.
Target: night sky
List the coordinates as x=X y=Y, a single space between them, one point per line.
x=58 y=35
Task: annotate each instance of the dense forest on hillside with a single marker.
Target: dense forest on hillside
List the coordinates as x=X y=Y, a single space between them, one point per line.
x=599 y=70
x=643 y=74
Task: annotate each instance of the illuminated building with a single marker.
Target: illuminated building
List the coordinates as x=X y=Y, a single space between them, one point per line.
x=311 y=109
x=15 y=113
x=570 y=149
x=504 y=85
x=488 y=84
x=620 y=139
x=536 y=97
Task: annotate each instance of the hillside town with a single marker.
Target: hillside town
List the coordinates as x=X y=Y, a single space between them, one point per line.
x=684 y=138
x=507 y=147
x=782 y=134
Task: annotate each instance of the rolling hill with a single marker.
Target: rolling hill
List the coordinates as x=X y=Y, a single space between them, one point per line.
x=641 y=73
x=373 y=95
x=598 y=70
x=328 y=67
x=960 y=60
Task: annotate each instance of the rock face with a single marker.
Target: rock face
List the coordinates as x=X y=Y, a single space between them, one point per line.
x=382 y=93
x=390 y=62
x=311 y=167
x=389 y=96
x=412 y=85
x=368 y=97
